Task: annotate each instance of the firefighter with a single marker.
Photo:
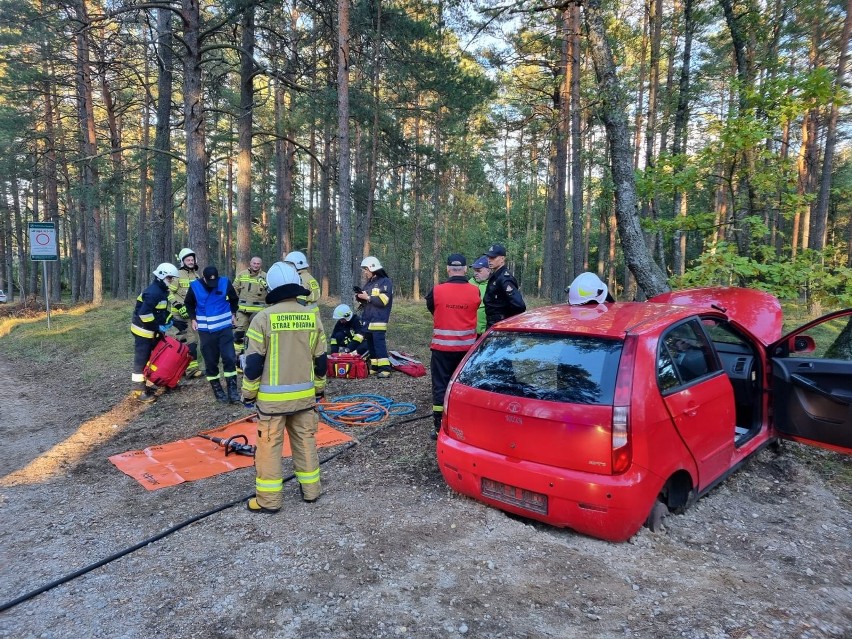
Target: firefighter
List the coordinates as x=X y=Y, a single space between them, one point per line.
x=298 y=261
x=285 y=358
x=377 y=300
x=212 y=303
x=481 y=273
x=250 y=286
x=502 y=297
x=454 y=306
x=151 y=320
x=348 y=333
x=188 y=273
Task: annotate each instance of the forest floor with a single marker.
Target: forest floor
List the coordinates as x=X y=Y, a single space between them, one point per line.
x=389 y=550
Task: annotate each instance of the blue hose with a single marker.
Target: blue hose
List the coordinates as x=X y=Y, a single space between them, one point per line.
x=363 y=409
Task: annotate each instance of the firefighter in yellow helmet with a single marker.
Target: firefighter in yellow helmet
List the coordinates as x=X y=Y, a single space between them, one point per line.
x=285 y=368
x=187 y=274
x=250 y=285
x=298 y=260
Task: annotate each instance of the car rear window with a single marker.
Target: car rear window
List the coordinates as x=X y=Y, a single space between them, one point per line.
x=575 y=369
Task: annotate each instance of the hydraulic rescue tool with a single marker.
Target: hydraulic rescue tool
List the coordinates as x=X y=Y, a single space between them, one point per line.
x=237 y=444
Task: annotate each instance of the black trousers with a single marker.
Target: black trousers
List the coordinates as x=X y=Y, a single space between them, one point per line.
x=214 y=346
x=142 y=347
x=443 y=365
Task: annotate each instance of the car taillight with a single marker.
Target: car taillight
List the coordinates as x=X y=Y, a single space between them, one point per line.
x=622 y=450
x=446 y=405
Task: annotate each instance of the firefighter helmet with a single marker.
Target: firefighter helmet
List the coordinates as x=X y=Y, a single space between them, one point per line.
x=281 y=273
x=297 y=259
x=342 y=311
x=371 y=263
x=587 y=287
x=184 y=253
x=165 y=270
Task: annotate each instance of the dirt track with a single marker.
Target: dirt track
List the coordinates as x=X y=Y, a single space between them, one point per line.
x=388 y=551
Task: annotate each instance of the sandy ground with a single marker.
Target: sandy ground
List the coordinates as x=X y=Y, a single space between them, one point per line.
x=389 y=551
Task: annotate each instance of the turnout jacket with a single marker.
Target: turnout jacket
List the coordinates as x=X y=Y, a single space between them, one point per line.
x=309 y=282
x=212 y=308
x=286 y=353
x=151 y=310
x=481 y=324
x=186 y=276
x=454 y=305
x=502 y=297
x=251 y=290
x=346 y=334
x=376 y=311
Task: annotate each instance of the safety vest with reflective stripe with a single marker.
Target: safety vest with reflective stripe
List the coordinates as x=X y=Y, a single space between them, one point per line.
x=212 y=310
x=251 y=291
x=288 y=337
x=456 y=304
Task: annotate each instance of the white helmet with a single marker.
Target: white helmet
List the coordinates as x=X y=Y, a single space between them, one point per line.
x=280 y=274
x=165 y=270
x=371 y=263
x=297 y=259
x=587 y=287
x=184 y=253
x=341 y=311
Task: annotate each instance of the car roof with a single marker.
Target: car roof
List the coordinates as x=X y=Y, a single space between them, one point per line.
x=613 y=319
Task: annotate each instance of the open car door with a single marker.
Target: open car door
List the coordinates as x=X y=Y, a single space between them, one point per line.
x=812 y=383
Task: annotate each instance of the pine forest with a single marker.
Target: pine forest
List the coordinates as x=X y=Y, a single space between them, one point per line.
x=658 y=143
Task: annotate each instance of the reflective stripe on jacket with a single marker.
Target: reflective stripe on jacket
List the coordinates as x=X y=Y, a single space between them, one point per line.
x=212 y=309
x=310 y=283
x=252 y=290
x=454 y=304
x=185 y=278
x=377 y=309
x=151 y=310
x=288 y=337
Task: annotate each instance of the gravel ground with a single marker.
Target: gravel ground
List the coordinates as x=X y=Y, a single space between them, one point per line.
x=389 y=551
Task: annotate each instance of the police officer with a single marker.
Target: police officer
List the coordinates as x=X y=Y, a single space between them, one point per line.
x=453 y=305
x=377 y=300
x=250 y=286
x=348 y=334
x=187 y=274
x=284 y=358
x=151 y=320
x=481 y=273
x=212 y=303
x=502 y=297
x=298 y=261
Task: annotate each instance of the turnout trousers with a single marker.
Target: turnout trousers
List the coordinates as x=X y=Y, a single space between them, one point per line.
x=442 y=367
x=301 y=429
x=185 y=333
x=215 y=345
x=378 y=345
x=142 y=347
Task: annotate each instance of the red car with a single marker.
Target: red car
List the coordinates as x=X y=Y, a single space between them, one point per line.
x=603 y=417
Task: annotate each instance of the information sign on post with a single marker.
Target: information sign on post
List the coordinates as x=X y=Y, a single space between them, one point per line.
x=43 y=248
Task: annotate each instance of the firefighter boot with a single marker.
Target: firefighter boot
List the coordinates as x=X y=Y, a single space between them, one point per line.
x=216 y=385
x=233 y=392
x=141 y=394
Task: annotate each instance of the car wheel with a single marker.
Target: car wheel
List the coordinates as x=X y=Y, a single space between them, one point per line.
x=655 y=519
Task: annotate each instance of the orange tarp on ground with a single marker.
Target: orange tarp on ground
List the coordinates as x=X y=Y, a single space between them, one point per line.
x=197 y=458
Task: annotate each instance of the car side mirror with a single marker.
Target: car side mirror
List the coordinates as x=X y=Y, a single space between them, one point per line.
x=802 y=344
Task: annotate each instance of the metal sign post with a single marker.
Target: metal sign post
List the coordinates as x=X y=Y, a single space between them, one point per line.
x=43 y=248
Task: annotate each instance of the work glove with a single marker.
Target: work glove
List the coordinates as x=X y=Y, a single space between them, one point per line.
x=344 y=350
x=181 y=310
x=248 y=403
x=165 y=327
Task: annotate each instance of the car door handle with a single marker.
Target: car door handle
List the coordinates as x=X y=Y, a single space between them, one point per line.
x=691 y=410
x=808 y=365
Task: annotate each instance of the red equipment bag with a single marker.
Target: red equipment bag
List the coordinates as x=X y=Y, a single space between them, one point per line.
x=346 y=365
x=168 y=362
x=406 y=363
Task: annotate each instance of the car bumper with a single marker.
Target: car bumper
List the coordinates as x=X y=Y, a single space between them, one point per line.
x=610 y=507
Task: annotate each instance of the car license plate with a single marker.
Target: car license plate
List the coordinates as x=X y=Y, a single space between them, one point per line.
x=527 y=499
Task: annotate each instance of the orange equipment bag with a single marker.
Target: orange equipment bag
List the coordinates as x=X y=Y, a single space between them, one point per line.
x=346 y=365
x=168 y=362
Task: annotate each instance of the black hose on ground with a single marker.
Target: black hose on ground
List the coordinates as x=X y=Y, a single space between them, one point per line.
x=121 y=553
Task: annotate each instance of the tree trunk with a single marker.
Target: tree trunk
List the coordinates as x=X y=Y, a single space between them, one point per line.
x=161 y=233
x=244 y=128
x=344 y=180
x=648 y=275
x=580 y=247
x=679 y=135
x=120 y=265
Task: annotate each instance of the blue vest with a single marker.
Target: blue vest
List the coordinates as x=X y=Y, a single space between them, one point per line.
x=212 y=310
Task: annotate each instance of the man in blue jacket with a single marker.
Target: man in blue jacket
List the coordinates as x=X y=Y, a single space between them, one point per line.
x=212 y=303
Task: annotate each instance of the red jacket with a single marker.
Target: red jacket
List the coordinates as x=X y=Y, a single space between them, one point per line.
x=454 y=304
